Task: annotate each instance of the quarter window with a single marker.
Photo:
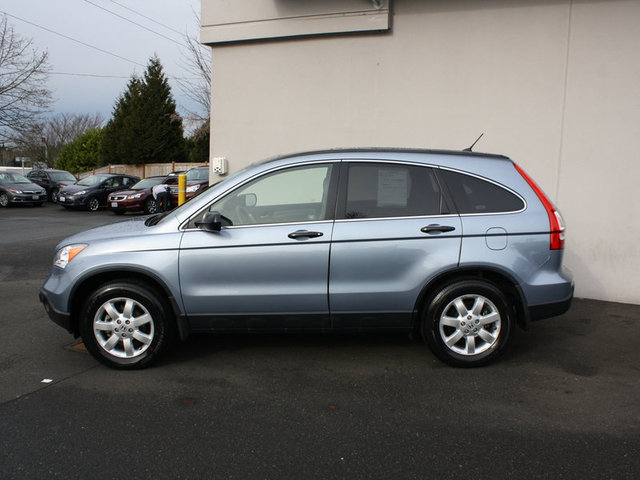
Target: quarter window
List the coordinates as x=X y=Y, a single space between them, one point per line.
x=391 y=190
x=474 y=195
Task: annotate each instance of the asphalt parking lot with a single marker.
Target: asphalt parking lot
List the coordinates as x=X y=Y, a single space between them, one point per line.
x=562 y=403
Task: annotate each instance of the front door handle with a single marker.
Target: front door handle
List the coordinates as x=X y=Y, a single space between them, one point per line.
x=304 y=234
x=437 y=228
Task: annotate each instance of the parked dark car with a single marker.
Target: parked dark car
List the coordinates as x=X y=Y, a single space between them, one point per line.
x=92 y=192
x=138 y=198
x=197 y=182
x=52 y=180
x=14 y=188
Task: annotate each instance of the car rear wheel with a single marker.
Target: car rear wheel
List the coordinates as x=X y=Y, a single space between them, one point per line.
x=4 y=200
x=468 y=323
x=151 y=206
x=93 y=204
x=124 y=325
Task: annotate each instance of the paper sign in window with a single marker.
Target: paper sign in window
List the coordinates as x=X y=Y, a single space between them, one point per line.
x=393 y=187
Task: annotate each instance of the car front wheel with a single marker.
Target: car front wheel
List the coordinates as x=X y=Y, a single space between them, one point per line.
x=93 y=204
x=124 y=325
x=151 y=206
x=468 y=323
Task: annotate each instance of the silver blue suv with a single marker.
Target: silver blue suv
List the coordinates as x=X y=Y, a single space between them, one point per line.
x=457 y=246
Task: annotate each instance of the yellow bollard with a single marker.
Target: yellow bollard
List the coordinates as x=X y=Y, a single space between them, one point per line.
x=182 y=189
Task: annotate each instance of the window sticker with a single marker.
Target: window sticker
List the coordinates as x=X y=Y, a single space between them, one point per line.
x=393 y=187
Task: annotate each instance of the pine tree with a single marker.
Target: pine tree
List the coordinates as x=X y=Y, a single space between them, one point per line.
x=145 y=127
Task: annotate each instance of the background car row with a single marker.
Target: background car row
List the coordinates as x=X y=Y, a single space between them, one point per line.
x=15 y=188
x=118 y=192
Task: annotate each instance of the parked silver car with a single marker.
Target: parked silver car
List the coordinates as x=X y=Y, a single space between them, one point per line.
x=457 y=246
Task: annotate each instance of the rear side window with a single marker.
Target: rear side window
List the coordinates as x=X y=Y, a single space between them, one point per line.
x=474 y=195
x=378 y=190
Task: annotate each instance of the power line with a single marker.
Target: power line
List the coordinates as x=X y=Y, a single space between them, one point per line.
x=96 y=75
x=131 y=21
x=148 y=18
x=73 y=39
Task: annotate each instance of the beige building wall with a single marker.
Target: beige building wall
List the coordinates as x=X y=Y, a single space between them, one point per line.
x=553 y=84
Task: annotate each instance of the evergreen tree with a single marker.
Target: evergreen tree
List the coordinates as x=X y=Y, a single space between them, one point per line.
x=198 y=144
x=82 y=154
x=145 y=127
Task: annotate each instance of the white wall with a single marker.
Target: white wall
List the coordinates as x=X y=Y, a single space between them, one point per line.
x=553 y=84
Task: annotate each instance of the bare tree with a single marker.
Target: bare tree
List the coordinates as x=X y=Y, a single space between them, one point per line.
x=43 y=140
x=23 y=71
x=197 y=61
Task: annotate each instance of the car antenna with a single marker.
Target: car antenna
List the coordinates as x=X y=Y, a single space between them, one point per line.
x=473 y=144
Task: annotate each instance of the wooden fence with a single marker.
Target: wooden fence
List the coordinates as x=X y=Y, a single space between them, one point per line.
x=145 y=170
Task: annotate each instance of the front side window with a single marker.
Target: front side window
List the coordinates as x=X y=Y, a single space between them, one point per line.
x=391 y=190
x=298 y=194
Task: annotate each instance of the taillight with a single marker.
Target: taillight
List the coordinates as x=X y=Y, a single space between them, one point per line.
x=556 y=223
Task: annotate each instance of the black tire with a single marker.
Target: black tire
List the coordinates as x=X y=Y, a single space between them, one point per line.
x=468 y=323
x=53 y=195
x=4 y=200
x=115 y=342
x=150 y=206
x=93 y=204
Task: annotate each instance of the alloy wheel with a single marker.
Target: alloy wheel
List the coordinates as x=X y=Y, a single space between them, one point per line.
x=123 y=327
x=470 y=324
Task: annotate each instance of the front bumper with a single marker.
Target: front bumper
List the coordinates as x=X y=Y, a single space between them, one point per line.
x=61 y=318
x=27 y=198
x=130 y=205
x=71 y=200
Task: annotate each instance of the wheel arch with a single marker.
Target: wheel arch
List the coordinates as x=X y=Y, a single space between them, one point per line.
x=501 y=279
x=88 y=284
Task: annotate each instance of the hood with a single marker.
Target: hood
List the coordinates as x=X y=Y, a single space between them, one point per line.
x=76 y=188
x=130 y=192
x=128 y=228
x=24 y=186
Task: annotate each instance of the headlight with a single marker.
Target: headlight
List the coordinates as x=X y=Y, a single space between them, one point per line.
x=193 y=188
x=12 y=190
x=66 y=254
x=81 y=192
x=137 y=195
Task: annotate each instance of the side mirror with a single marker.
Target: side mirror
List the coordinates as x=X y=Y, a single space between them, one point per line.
x=211 y=222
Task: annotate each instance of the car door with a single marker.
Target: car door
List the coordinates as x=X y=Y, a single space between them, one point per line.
x=38 y=177
x=111 y=185
x=393 y=232
x=268 y=267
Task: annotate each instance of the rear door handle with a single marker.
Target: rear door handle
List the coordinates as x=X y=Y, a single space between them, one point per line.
x=437 y=228
x=304 y=234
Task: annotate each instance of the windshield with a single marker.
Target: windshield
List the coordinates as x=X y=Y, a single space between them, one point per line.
x=198 y=174
x=147 y=183
x=8 y=177
x=62 y=177
x=92 y=180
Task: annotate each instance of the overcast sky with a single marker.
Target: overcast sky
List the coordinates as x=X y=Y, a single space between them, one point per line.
x=87 y=80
